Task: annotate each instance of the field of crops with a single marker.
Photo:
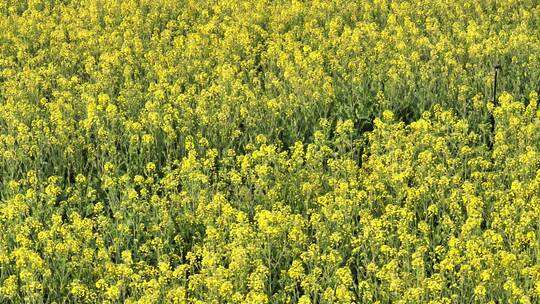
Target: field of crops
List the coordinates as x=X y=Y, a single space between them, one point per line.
x=237 y=151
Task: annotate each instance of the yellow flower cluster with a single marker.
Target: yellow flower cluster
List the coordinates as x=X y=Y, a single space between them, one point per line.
x=234 y=151
x=431 y=214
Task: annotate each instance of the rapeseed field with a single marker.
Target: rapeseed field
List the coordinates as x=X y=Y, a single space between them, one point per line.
x=235 y=151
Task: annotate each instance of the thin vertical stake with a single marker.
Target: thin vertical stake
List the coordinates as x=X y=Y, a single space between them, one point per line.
x=497 y=67
x=492 y=118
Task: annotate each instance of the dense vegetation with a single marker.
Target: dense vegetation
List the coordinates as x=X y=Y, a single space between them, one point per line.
x=269 y=151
